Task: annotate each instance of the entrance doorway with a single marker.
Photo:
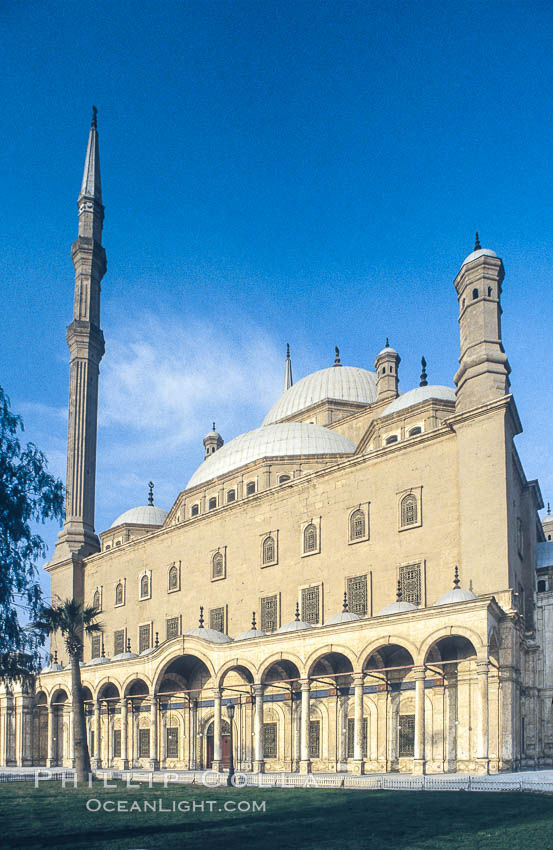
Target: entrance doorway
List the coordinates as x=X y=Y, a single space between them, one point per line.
x=225 y=744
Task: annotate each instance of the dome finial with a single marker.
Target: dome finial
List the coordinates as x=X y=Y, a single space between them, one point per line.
x=456 y=581
x=288 y=351
x=253 y=621
x=56 y=656
x=424 y=376
x=345 y=605
x=399 y=593
x=337 y=358
x=548 y=509
x=297 y=612
x=387 y=343
x=150 y=492
x=94 y=122
x=477 y=245
x=156 y=642
x=201 y=616
x=128 y=644
x=213 y=423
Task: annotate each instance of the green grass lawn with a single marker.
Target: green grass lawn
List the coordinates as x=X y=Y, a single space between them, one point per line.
x=49 y=817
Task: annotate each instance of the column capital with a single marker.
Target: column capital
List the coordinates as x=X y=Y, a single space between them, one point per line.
x=305 y=684
x=358 y=678
x=482 y=666
x=217 y=693
x=258 y=689
x=418 y=672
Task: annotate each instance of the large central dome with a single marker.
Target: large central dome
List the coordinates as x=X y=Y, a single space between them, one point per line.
x=343 y=383
x=286 y=439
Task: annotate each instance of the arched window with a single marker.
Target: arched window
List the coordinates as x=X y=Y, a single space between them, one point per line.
x=414 y=431
x=542 y=586
x=173 y=578
x=250 y=488
x=96 y=600
x=489 y=292
x=409 y=510
x=357 y=525
x=144 y=587
x=212 y=504
x=268 y=550
x=310 y=538
x=231 y=496
x=119 y=593
x=283 y=478
x=391 y=439
x=474 y=294
x=195 y=510
x=217 y=566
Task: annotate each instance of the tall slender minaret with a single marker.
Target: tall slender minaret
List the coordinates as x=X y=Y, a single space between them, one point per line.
x=86 y=346
x=287 y=370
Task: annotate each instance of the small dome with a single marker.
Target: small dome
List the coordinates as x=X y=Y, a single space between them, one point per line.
x=481 y=252
x=148 y=651
x=213 y=434
x=294 y=626
x=123 y=656
x=345 y=383
x=68 y=666
x=397 y=607
x=387 y=350
x=210 y=635
x=456 y=594
x=53 y=667
x=251 y=633
x=142 y=515
x=101 y=660
x=287 y=438
x=342 y=617
x=418 y=394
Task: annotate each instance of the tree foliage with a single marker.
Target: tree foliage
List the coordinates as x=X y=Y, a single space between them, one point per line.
x=29 y=494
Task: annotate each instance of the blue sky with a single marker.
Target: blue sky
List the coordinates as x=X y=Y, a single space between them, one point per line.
x=273 y=172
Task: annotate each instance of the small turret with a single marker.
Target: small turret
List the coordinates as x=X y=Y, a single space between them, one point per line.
x=212 y=442
x=387 y=367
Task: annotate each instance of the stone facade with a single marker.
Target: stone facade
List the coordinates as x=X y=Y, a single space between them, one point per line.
x=313 y=524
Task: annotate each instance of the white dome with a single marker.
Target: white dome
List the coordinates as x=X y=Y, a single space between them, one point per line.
x=387 y=350
x=101 y=660
x=294 y=626
x=123 y=656
x=343 y=617
x=457 y=594
x=418 y=394
x=482 y=252
x=210 y=635
x=397 y=608
x=345 y=383
x=53 y=667
x=251 y=633
x=288 y=438
x=143 y=515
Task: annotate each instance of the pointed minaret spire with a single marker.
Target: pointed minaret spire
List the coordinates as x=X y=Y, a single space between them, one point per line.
x=288 y=382
x=477 y=245
x=150 y=492
x=424 y=376
x=90 y=197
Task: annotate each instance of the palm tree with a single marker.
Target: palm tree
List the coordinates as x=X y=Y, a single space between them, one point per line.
x=73 y=619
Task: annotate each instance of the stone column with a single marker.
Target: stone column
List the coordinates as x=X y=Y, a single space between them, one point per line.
x=217 y=741
x=342 y=708
x=4 y=732
x=124 y=735
x=154 y=760
x=71 y=737
x=297 y=734
x=305 y=763
x=358 y=683
x=18 y=720
x=193 y=734
x=482 y=674
x=258 y=764
x=419 y=762
x=163 y=733
x=50 y=761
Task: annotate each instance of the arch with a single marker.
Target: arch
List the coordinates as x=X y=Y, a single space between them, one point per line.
x=144 y=586
x=119 y=596
x=109 y=692
x=87 y=694
x=414 y=431
x=41 y=699
x=173 y=577
x=212 y=504
x=250 y=488
x=180 y=671
x=357 y=524
x=330 y=651
x=448 y=631
x=96 y=600
x=231 y=496
x=390 y=655
x=58 y=697
x=289 y=667
x=375 y=645
x=137 y=687
x=268 y=549
x=493 y=645
x=282 y=479
x=235 y=664
x=217 y=565
x=409 y=510
x=310 y=538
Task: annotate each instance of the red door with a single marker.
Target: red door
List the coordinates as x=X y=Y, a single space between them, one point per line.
x=225 y=750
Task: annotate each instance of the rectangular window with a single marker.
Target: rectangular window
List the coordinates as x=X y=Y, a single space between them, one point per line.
x=406 y=735
x=172 y=742
x=116 y=743
x=310 y=599
x=314 y=739
x=172 y=627
x=143 y=638
x=217 y=619
x=357 y=595
x=351 y=737
x=410 y=583
x=269 y=613
x=269 y=740
x=143 y=743
x=119 y=641
x=95 y=646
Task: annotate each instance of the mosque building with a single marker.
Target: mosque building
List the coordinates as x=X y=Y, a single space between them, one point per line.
x=363 y=579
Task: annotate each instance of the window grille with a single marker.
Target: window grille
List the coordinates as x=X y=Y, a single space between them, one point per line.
x=172 y=742
x=250 y=488
x=143 y=743
x=173 y=578
x=409 y=510
x=119 y=594
x=310 y=538
x=217 y=566
x=119 y=642
x=96 y=600
x=351 y=737
x=144 y=587
x=143 y=638
x=95 y=646
x=410 y=583
x=217 y=619
x=268 y=550
x=269 y=613
x=310 y=604
x=172 y=627
x=406 y=735
x=357 y=525
x=231 y=496
x=357 y=595
x=269 y=740
x=116 y=743
x=314 y=739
